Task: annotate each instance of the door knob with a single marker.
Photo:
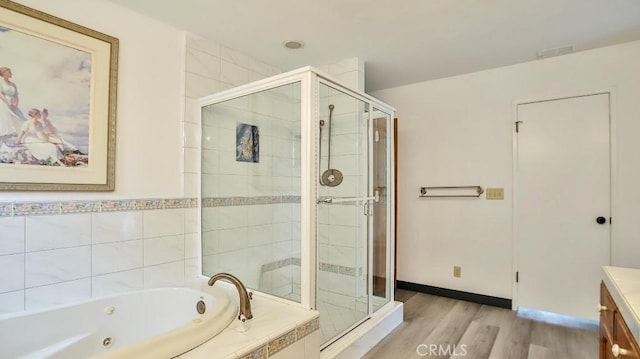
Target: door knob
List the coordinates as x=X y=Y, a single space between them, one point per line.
x=601 y=220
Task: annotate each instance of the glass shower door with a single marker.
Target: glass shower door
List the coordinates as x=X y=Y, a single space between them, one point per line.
x=344 y=201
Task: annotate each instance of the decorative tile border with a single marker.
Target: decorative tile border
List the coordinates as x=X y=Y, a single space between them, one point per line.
x=279 y=264
x=260 y=353
x=282 y=342
x=307 y=328
x=123 y=205
x=325 y=267
x=6 y=209
x=29 y=208
x=247 y=201
x=334 y=268
x=9 y=209
x=80 y=207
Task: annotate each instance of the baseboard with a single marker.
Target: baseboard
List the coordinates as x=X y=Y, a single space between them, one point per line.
x=456 y=294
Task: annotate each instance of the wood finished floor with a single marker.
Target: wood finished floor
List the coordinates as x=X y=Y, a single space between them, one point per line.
x=486 y=331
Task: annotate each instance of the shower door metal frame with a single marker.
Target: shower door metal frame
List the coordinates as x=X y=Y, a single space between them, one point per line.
x=308 y=98
x=309 y=79
x=371 y=103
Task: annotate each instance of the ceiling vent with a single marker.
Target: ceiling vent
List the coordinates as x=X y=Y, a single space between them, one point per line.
x=556 y=51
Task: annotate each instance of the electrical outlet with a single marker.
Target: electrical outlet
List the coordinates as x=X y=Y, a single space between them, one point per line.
x=457 y=271
x=495 y=193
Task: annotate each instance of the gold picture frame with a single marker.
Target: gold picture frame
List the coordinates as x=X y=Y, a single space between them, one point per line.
x=53 y=67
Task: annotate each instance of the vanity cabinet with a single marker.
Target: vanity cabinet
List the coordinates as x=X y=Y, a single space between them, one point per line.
x=616 y=340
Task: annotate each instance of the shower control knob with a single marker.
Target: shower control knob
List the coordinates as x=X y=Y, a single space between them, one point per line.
x=331 y=178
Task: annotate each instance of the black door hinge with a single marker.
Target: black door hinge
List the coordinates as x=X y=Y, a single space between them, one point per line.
x=518 y=126
x=517 y=276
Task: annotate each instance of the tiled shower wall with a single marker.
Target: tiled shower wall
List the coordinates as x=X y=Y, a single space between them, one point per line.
x=251 y=211
x=342 y=227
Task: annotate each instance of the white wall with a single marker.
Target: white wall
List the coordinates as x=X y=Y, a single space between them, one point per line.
x=150 y=99
x=67 y=254
x=458 y=131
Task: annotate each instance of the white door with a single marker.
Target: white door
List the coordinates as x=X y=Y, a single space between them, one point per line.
x=563 y=187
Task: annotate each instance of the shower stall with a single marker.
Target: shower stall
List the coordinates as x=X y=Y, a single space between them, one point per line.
x=297 y=194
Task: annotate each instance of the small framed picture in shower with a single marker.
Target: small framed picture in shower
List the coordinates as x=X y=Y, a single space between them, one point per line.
x=247 y=143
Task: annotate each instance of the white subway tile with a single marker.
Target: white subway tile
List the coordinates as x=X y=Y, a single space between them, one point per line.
x=192 y=268
x=210 y=137
x=164 y=222
x=235 y=57
x=282 y=250
x=230 y=166
x=192 y=245
x=346 y=65
x=211 y=185
x=260 y=214
x=191 y=220
x=210 y=242
x=12 y=302
x=233 y=217
x=198 y=86
x=259 y=235
x=12 y=238
x=116 y=226
x=56 y=294
x=191 y=185
x=61 y=231
x=210 y=162
x=210 y=264
x=233 y=239
x=282 y=212
x=210 y=218
x=191 y=160
x=233 y=262
x=191 y=111
x=191 y=135
x=260 y=185
x=203 y=64
x=116 y=257
x=203 y=44
x=281 y=232
x=119 y=282
x=232 y=74
x=346 y=236
x=163 y=250
x=164 y=274
x=227 y=141
x=11 y=272
x=54 y=266
x=344 y=215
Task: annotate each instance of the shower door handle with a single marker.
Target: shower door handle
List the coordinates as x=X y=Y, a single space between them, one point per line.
x=345 y=199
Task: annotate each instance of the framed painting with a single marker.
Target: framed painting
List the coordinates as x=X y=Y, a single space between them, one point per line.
x=58 y=103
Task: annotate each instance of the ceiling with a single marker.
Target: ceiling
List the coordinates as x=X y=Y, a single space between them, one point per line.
x=401 y=41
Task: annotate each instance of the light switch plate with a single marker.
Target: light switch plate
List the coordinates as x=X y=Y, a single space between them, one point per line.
x=495 y=193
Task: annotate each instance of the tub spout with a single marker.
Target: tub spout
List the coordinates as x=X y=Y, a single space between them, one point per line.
x=245 y=304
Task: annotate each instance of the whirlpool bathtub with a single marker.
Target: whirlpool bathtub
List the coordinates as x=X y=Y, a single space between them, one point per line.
x=154 y=323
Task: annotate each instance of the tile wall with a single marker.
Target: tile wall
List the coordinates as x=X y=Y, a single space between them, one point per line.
x=59 y=252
